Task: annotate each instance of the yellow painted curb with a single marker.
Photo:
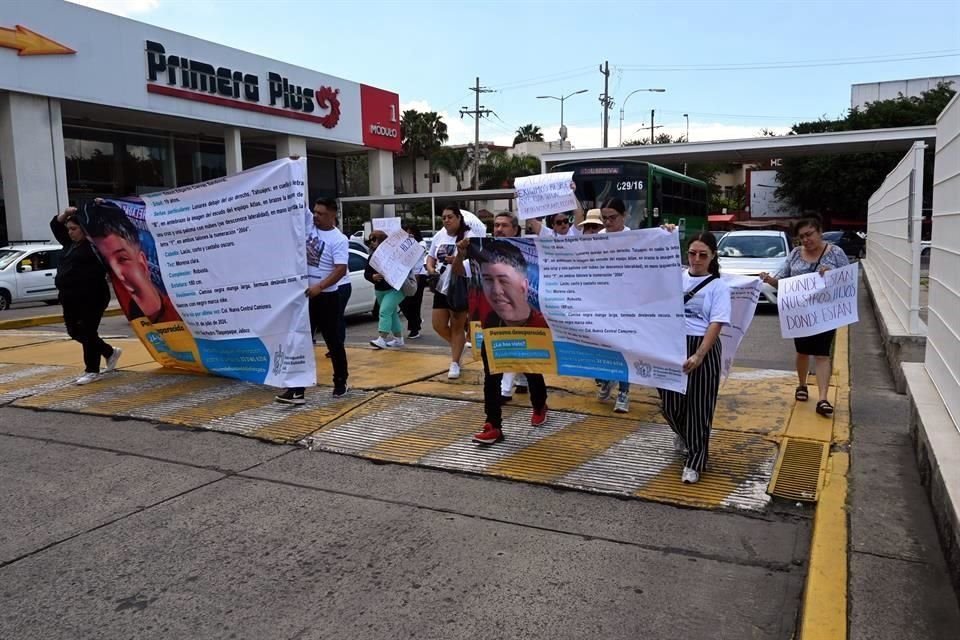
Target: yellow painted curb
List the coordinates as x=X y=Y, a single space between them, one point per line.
x=825 y=596
x=53 y=318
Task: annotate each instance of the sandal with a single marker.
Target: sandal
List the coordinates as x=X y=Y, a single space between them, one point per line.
x=824 y=408
x=801 y=393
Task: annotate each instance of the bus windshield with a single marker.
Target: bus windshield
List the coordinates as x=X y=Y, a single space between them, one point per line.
x=597 y=184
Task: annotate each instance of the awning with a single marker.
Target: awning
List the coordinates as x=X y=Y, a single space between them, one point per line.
x=721 y=217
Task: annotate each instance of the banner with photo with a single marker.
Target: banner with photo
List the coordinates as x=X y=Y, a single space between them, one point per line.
x=212 y=276
x=607 y=306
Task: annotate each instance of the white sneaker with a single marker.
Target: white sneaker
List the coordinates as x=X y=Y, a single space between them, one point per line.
x=623 y=403
x=454 y=371
x=467 y=345
x=690 y=476
x=679 y=446
x=112 y=360
x=87 y=378
x=379 y=343
x=396 y=343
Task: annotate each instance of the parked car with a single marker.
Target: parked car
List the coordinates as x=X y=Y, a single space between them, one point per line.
x=852 y=244
x=359 y=245
x=719 y=234
x=27 y=271
x=362 y=299
x=750 y=253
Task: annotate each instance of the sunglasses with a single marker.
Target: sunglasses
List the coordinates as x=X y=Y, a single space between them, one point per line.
x=557 y=223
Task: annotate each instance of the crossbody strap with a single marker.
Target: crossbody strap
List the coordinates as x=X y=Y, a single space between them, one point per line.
x=689 y=294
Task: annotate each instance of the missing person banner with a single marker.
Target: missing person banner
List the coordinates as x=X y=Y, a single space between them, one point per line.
x=212 y=276
x=744 y=296
x=396 y=257
x=606 y=306
x=545 y=194
x=810 y=303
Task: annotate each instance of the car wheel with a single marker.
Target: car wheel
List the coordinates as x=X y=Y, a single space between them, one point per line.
x=4 y=300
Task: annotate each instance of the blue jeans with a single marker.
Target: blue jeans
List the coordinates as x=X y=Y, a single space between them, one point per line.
x=622 y=387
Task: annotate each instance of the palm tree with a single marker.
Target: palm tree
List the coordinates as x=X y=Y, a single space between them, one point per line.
x=423 y=134
x=455 y=161
x=499 y=169
x=528 y=133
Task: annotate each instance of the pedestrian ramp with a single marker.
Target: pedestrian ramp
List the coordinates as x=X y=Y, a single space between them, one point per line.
x=402 y=409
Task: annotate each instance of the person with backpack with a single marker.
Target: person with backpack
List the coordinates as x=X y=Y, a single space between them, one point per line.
x=706 y=307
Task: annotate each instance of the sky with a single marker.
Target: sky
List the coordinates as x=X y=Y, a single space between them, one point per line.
x=735 y=67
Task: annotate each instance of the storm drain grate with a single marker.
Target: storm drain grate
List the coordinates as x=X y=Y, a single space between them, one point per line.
x=799 y=471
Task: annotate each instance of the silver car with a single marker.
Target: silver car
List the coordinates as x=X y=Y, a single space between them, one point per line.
x=750 y=253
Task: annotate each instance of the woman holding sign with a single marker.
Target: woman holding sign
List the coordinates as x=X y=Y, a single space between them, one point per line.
x=813 y=254
x=449 y=317
x=389 y=300
x=706 y=306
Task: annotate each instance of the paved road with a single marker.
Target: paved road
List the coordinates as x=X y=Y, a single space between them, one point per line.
x=124 y=528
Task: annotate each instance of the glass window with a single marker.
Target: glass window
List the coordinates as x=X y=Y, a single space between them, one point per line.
x=39 y=261
x=145 y=166
x=321 y=177
x=8 y=256
x=748 y=246
x=90 y=165
x=356 y=263
x=198 y=160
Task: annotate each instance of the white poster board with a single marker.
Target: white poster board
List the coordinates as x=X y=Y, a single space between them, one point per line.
x=544 y=194
x=808 y=307
x=387 y=225
x=396 y=257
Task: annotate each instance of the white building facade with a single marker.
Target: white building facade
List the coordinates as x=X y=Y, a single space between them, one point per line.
x=93 y=104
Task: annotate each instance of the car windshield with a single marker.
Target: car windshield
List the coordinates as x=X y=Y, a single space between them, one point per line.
x=734 y=246
x=833 y=236
x=9 y=256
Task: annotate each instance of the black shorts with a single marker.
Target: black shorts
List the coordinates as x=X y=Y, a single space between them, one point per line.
x=440 y=301
x=820 y=344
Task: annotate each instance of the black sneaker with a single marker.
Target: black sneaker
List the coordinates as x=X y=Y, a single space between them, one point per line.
x=339 y=392
x=291 y=397
x=413 y=335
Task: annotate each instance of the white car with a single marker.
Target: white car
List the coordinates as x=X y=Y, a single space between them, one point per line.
x=27 y=272
x=749 y=253
x=362 y=299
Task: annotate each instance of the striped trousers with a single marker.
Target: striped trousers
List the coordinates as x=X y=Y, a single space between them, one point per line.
x=691 y=415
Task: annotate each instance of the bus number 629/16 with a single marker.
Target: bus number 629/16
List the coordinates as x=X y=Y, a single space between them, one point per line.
x=630 y=185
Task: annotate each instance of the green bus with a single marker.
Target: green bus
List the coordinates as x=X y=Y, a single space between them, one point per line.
x=652 y=195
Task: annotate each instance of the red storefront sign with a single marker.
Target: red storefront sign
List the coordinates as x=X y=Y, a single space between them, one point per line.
x=380 y=118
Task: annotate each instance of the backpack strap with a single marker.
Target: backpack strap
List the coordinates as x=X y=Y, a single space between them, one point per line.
x=689 y=294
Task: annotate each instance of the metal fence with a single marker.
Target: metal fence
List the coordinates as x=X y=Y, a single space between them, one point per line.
x=943 y=334
x=894 y=218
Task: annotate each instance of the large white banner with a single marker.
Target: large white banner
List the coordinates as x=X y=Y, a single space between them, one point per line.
x=231 y=257
x=744 y=296
x=810 y=303
x=396 y=257
x=387 y=225
x=614 y=305
x=544 y=194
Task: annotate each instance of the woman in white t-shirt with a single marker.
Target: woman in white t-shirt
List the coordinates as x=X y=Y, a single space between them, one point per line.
x=706 y=308
x=449 y=324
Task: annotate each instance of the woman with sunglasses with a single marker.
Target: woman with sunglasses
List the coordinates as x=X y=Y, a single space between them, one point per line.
x=449 y=324
x=813 y=254
x=389 y=299
x=555 y=226
x=706 y=307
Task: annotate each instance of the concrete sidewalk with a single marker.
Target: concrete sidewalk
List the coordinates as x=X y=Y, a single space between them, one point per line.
x=403 y=409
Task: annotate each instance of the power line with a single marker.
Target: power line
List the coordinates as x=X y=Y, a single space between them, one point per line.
x=531 y=82
x=785 y=65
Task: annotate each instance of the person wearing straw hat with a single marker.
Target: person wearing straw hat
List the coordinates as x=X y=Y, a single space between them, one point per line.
x=592 y=222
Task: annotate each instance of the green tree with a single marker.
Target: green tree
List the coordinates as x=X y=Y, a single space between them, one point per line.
x=423 y=134
x=528 y=133
x=499 y=169
x=843 y=184
x=454 y=160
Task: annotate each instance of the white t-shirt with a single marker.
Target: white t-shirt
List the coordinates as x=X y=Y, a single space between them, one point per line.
x=444 y=245
x=625 y=228
x=548 y=232
x=421 y=268
x=710 y=304
x=326 y=250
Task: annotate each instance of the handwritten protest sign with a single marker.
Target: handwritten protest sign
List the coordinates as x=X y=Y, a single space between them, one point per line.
x=744 y=295
x=387 y=225
x=808 y=307
x=396 y=256
x=544 y=194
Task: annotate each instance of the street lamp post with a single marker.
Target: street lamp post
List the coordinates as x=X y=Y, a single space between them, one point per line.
x=624 y=105
x=563 y=129
x=687 y=118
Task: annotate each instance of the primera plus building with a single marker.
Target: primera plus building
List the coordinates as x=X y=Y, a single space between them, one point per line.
x=92 y=104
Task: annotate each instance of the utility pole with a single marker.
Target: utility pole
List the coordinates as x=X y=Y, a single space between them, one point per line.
x=477 y=112
x=652 y=141
x=605 y=99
